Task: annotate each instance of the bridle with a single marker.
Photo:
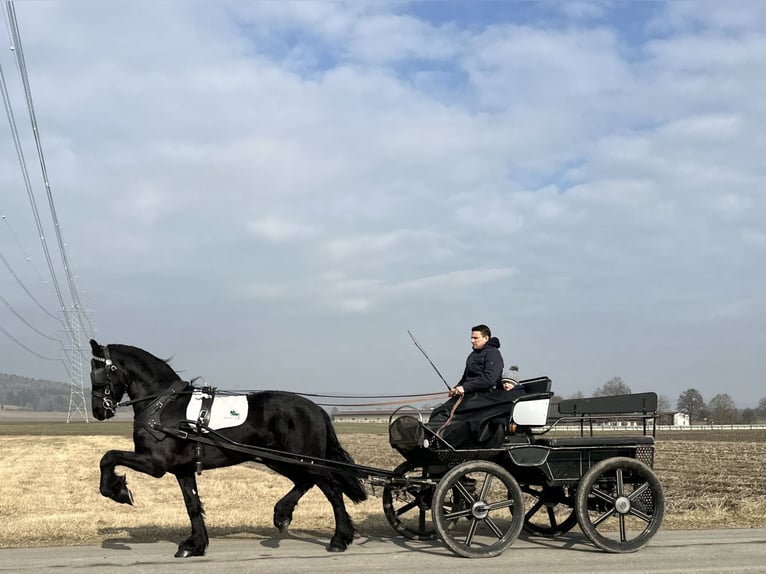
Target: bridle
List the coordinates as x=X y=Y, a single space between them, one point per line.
x=102 y=388
x=101 y=384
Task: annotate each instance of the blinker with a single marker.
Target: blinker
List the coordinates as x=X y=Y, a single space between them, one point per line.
x=98 y=377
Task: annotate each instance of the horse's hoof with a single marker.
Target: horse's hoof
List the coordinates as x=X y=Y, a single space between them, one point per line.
x=124 y=496
x=187 y=553
x=283 y=525
x=332 y=547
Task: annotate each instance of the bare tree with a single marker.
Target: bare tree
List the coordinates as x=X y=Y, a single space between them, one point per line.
x=614 y=386
x=691 y=403
x=748 y=416
x=663 y=404
x=760 y=410
x=722 y=409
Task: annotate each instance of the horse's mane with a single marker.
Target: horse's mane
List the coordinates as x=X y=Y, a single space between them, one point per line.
x=157 y=369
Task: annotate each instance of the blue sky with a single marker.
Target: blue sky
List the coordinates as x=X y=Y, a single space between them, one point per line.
x=273 y=193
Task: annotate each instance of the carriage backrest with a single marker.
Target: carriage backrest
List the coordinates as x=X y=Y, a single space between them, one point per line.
x=642 y=403
x=536 y=385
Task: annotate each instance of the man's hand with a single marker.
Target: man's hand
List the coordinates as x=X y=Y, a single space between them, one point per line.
x=458 y=390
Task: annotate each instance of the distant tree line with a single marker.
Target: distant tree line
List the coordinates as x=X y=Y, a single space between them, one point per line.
x=33 y=394
x=719 y=410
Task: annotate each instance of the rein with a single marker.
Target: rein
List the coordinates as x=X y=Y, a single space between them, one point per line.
x=100 y=379
x=152 y=397
x=451 y=415
x=102 y=388
x=384 y=403
x=414 y=398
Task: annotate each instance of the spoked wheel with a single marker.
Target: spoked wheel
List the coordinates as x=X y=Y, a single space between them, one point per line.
x=478 y=509
x=552 y=512
x=408 y=506
x=620 y=504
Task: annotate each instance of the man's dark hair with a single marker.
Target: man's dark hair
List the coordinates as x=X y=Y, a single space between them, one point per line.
x=483 y=329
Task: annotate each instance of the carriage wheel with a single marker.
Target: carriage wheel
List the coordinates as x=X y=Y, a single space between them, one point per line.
x=478 y=509
x=408 y=506
x=620 y=504
x=552 y=512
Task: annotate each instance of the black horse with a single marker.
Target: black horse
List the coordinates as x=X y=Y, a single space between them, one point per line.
x=279 y=421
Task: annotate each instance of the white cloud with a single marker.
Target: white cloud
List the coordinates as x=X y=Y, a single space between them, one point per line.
x=516 y=67
x=281 y=230
x=584 y=10
x=355 y=305
x=389 y=247
x=387 y=38
x=329 y=171
x=754 y=237
x=709 y=14
x=475 y=278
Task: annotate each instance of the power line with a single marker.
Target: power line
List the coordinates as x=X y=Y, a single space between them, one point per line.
x=27 y=258
x=27 y=349
x=74 y=325
x=21 y=63
x=27 y=323
x=38 y=355
x=28 y=186
x=24 y=287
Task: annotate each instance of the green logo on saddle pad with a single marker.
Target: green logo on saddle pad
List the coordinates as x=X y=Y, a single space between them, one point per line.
x=234 y=413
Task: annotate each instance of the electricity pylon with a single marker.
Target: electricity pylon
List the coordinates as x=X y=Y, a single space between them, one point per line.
x=76 y=393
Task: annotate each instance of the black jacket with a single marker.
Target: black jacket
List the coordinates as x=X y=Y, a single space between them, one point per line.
x=483 y=368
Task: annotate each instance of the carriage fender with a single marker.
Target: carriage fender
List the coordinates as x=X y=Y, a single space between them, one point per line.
x=529 y=455
x=531 y=411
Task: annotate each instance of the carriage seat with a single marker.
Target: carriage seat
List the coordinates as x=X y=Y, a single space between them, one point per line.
x=531 y=408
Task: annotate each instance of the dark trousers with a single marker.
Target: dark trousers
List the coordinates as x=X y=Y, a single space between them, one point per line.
x=480 y=418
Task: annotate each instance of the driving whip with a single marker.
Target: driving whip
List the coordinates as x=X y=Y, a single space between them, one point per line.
x=428 y=359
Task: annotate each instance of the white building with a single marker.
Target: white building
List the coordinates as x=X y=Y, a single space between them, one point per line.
x=680 y=420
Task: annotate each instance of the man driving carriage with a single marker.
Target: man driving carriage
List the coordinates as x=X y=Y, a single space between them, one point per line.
x=469 y=415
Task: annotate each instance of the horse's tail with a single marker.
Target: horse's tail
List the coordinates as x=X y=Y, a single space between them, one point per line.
x=349 y=483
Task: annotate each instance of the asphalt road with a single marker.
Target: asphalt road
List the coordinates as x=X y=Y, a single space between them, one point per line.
x=736 y=551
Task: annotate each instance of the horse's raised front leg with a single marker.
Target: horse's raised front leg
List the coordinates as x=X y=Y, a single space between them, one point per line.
x=197 y=543
x=114 y=486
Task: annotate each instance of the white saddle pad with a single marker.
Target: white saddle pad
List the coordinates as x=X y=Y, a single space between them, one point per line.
x=226 y=411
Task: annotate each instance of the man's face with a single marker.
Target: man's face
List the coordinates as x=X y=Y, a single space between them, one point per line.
x=478 y=340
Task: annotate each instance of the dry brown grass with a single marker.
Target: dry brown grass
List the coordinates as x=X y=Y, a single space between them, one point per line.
x=49 y=492
x=713 y=484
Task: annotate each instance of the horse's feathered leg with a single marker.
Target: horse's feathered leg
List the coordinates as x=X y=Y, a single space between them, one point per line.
x=283 y=510
x=344 y=527
x=197 y=543
x=115 y=486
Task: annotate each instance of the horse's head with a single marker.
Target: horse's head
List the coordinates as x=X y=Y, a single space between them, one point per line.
x=107 y=380
x=119 y=369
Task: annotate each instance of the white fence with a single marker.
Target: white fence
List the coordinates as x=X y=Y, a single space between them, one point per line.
x=712 y=427
x=611 y=428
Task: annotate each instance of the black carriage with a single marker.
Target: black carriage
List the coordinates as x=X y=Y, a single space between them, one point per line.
x=540 y=479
